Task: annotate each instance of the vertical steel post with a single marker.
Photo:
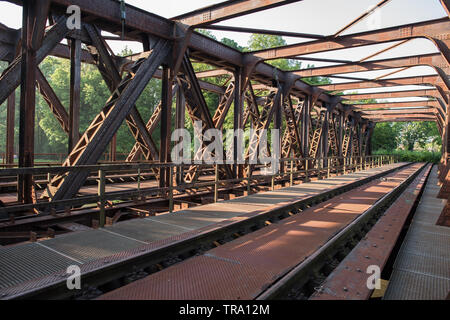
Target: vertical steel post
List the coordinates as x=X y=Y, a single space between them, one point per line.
x=101 y=194
x=328 y=168
x=238 y=119
x=216 y=182
x=292 y=173
x=166 y=125
x=170 y=189
x=306 y=170
x=27 y=101
x=306 y=110
x=180 y=116
x=10 y=123
x=75 y=80
x=139 y=182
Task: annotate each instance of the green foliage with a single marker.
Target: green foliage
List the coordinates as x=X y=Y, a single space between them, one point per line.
x=385 y=136
x=265 y=41
x=231 y=43
x=206 y=33
x=418 y=133
x=412 y=156
x=406 y=135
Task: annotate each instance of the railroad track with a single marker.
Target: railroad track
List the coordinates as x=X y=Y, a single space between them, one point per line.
x=246 y=267
x=108 y=274
x=307 y=278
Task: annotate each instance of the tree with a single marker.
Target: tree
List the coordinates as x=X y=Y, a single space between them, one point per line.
x=410 y=135
x=385 y=136
x=265 y=41
x=231 y=43
x=418 y=133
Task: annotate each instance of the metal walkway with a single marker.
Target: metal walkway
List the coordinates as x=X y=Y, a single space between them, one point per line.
x=28 y=266
x=422 y=268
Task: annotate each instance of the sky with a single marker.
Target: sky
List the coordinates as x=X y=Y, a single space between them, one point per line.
x=323 y=17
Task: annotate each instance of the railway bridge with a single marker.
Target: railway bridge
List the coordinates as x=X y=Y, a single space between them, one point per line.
x=305 y=225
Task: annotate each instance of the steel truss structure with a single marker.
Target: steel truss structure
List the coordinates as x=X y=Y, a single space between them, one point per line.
x=317 y=122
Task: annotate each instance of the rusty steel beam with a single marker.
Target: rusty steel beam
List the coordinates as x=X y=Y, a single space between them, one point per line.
x=361 y=17
x=384 y=50
x=405 y=119
x=415 y=80
x=446 y=6
x=10 y=78
x=140 y=22
x=399 y=111
x=102 y=129
x=363 y=103
x=112 y=76
x=428 y=29
x=392 y=94
x=34 y=17
x=227 y=10
x=400 y=115
x=10 y=125
x=52 y=100
x=433 y=60
x=213 y=73
x=265 y=31
x=388 y=105
x=75 y=94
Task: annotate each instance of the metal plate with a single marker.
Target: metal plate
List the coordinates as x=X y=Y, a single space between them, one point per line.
x=190 y=280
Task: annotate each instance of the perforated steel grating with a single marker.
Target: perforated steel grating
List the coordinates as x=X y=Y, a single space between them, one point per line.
x=422 y=267
x=91 y=245
x=145 y=230
x=29 y=261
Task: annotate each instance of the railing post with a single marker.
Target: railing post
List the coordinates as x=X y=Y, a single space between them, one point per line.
x=328 y=168
x=101 y=194
x=273 y=182
x=306 y=170
x=216 y=182
x=170 y=189
x=139 y=182
x=345 y=163
x=292 y=173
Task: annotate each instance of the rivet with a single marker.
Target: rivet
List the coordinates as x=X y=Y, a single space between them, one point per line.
x=345 y=289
